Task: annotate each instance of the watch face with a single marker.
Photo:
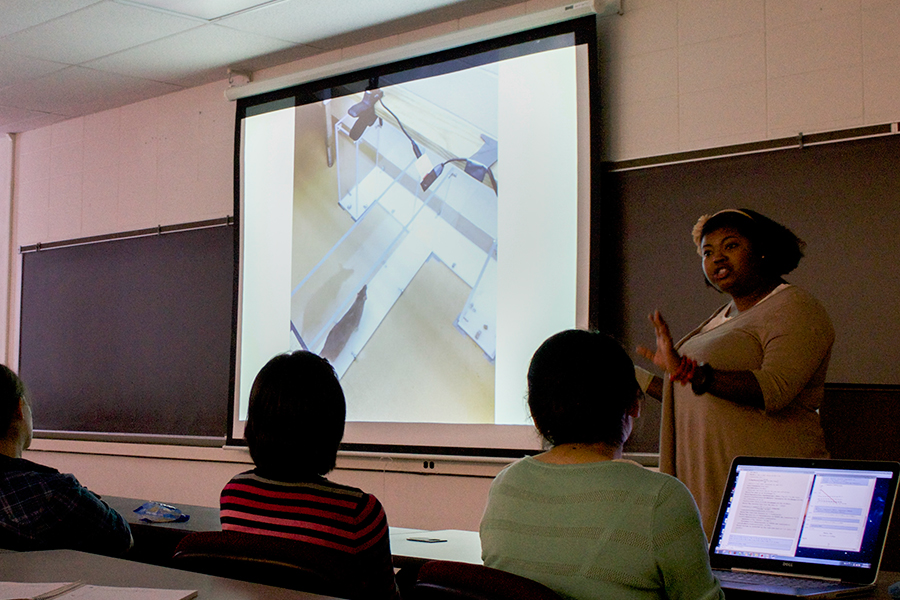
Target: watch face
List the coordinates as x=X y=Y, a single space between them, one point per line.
x=701 y=381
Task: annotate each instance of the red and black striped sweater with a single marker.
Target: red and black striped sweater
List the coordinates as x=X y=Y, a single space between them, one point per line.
x=344 y=524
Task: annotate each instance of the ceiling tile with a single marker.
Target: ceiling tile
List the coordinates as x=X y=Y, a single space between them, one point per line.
x=9 y=114
x=15 y=68
x=179 y=56
x=35 y=120
x=404 y=25
x=22 y=14
x=66 y=58
x=202 y=9
x=305 y=21
x=77 y=91
x=98 y=30
x=281 y=57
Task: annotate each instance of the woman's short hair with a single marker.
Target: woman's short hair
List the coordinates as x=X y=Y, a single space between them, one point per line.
x=581 y=385
x=295 y=420
x=779 y=249
x=11 y=390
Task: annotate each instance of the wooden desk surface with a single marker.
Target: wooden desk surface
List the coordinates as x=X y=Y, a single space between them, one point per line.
x=71 y=565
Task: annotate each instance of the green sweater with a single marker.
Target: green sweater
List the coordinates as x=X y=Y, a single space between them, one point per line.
x=598 y=530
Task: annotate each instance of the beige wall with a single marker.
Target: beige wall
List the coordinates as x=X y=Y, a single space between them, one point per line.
x=689 y=74
x=7 y=256
x=677 y=75
x=449 y=496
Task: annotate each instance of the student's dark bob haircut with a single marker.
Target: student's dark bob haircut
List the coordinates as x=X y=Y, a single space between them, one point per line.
x=581 y=386
x=778 y=248
x=295 y=420
x=11 y=390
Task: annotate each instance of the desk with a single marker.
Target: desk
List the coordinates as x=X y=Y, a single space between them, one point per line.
x=465 y=546
x=203 y=518
x=461 y=546
x=71 y=565
x=154 y=543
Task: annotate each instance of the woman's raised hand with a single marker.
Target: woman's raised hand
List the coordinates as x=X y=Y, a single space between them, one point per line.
x=665 y=357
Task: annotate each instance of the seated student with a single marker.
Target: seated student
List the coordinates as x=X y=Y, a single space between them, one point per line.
x=41 y=508
x=295 y=423
x=578 y=518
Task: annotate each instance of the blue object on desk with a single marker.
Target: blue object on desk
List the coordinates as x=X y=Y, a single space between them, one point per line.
x=157 y=512
x=894 y=590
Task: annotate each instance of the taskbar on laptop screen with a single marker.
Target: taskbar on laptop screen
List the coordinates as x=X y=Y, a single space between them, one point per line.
x=818 y=561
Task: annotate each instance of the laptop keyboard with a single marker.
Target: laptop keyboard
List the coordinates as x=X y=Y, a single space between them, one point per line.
x=764 y=579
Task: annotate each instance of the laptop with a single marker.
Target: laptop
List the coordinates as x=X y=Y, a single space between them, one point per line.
x=807 y=528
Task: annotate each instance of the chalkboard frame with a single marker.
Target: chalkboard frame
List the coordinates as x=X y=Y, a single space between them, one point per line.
x=129 y=337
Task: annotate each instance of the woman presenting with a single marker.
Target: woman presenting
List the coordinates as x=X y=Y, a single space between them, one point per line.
x=750 y=379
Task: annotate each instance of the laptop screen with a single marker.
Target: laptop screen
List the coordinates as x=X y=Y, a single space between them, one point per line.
x=814 y=517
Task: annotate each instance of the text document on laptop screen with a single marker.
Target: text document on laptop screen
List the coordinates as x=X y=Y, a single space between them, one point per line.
x=425 y=229
x=822 y=516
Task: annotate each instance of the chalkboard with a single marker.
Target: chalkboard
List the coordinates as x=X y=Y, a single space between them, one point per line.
x=131 y=336
x=842 y=198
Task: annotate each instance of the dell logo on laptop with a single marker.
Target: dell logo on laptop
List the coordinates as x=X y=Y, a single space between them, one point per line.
x=787 y=564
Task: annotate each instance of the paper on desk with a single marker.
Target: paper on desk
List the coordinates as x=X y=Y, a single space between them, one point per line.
x=79 y=591
x=102 y=592
x=14 y=590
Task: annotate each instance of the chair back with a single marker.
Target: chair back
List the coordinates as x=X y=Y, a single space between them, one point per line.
x=448 y=580
x=258 y=559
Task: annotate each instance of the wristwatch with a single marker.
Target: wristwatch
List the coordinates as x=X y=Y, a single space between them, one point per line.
x=702 y=379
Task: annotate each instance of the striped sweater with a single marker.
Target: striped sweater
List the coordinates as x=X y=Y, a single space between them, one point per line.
x=347 y=524
x=594 y=531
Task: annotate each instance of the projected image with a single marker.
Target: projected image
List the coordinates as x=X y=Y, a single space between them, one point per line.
x=394 y=245
x=424 y=230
